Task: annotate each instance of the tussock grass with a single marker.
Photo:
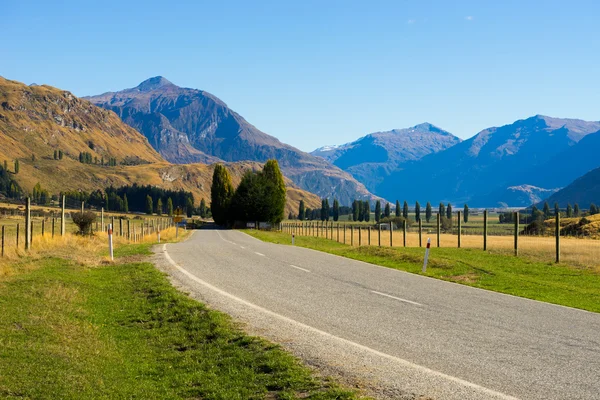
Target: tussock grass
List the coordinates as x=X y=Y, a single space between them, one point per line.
x=564 y=284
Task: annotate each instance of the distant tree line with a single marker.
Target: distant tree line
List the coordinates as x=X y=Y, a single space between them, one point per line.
x=260 y=196
x=8 y=186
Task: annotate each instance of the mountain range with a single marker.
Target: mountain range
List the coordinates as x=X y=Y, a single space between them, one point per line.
x=189 y=125
x=37 y=120
x=373 y=157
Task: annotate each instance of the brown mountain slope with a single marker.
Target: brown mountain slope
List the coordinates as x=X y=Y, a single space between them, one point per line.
x=38 y=120
x=188 y=125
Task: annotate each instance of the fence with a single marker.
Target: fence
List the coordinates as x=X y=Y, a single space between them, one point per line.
x=555 y=243
x=21 y=225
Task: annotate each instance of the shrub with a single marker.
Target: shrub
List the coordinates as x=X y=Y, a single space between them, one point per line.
x=84 y=221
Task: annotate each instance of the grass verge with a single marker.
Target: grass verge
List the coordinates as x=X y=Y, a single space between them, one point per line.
x=71 y=328
x=553 y=283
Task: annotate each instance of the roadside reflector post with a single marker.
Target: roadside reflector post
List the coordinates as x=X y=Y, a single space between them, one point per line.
x=485 y=229
x=420 y=232
x=426 y=255
x=516 y=217
x=293 y=239
x=110 y=242
x=439 y=228
x=158 y=234
x=459 y=228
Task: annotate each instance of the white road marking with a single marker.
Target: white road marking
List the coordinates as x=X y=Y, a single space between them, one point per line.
x=301 y=269
x=225 y=240
x=397 y=298
x=242 y=247
x=378 y=353
x=259 y=254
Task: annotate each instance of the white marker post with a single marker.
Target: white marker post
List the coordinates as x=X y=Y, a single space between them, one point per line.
x=110 y=242
x=426 y=255
x=158 y=233
x=293 y=239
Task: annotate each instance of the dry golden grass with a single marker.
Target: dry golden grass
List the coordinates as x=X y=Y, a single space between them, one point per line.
x=574 y=251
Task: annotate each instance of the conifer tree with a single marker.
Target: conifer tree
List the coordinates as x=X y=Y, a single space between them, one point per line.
x=442 y=210
x=569 y=211
x=546 y=210
x=355 y=210
x=387 y=211
x=466 y=214
x=397 y=208
x=126 y=203
x=6 y=165
x=576 y=211
x=189 y=207
x=275 y=192
x=428 y=212
x=170 y=207
x=56 y=154
x=336 y=210
x=593 y=209
x=159 y=207
x=378 y=211
x=60 y=154
x=367 y=210
x=556 y=209
x=449 y=211
x=405 y=210
x=323 y=212
x=149 y=206
x=417 y=211
x=220 y=196
x=327 y=209
x=301 y=211
x=16 y=166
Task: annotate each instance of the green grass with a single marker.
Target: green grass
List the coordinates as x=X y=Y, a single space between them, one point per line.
x=72 y=331
x=549 y=282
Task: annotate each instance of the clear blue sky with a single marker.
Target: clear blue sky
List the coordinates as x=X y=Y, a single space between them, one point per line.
x=324 y=72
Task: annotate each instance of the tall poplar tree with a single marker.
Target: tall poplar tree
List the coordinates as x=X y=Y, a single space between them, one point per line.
x=417 y=211
x=378 y=211
x=405 y=210
x=428 y=212
x=275 y=192
x=159 y=206
x=367 y=210
x=387 y=210
x=466 y=214
x=449 y=211
x=336 y=210
x=149 y=206
x=397 y=208
x=220 y=195
x=301 y=211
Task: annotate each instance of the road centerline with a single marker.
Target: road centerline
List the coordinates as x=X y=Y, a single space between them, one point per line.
x=397 y=298
x=300 y=268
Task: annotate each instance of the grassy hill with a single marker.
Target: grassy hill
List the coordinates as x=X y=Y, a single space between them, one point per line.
x=37 y=120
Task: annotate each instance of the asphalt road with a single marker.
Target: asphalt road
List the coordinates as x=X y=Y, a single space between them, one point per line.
x=401 y=333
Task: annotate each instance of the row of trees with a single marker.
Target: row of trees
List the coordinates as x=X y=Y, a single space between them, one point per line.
x=8 y=186
x=85 y=157
x=361 y=211
x=15 y=164
x=260 y=196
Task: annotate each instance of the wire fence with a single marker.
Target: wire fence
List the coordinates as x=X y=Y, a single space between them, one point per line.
x=45 y=221
x=482 y=230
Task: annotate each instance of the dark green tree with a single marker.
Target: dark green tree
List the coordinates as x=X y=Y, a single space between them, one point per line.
x=220 y=195
x=367 y=210
x=275 y=192
x=60 y=154
x=387 y=211
x=546 y=210
x=336 y=210
x=442 y=210
x=397 y=208
x=593 y=209
x=355 y=210
x=189 y=207
x=323 y=210
x=449 y=211
x=428 y=212
x=56 y=154
x=405 y=210
x=466 y=214
x=6 y=165
x=159 y=207
x=417 y=211
x=202 y=208
x=149 y=205
x=301 y=211
x=327 y=210
x=576 y=211
x=361 y=211
x=16 y=166
x=126 y=203
x=33 y=157
x=378 y=211
x=569 y=211
x=170 y=207
x=556 y=209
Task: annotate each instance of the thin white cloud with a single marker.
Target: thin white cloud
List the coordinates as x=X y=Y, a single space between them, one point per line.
x=469 y=18
x=410 y=21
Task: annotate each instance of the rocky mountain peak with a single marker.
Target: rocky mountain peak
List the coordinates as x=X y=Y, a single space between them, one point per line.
x=153 y=83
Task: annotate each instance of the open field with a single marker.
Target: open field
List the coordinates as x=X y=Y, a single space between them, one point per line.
x=545 y=281
x=74 y=325
x=580 y=251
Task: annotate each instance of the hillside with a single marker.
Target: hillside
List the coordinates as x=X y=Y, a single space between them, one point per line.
x=490 y=162
x=189 y=125
x=373 y=157
x=583 y=191
x=37 y=120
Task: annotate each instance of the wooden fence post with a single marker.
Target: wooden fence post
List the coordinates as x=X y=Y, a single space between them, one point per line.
x=516 y=216
x=53 y=224
x=2 y=240
x=28 y=224
x=485 y=232
x=338 y=232
x=369 y=235
x=344 y=233
x=404 y=232
x=359 y=236
x=379 y=234
x=43 y=227
x=391 y=234
x=121 y=227
x=351 y=235
x=62 y=217
x=18 y=236
x=420 y=232
x=557 y=237
x=439 y=228
x=459 y=228
x=102 y=218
